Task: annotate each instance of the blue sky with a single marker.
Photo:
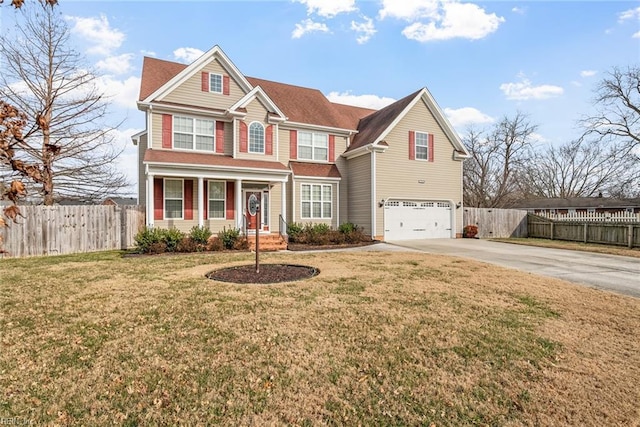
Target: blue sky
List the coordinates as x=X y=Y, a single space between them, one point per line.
x=480 y=60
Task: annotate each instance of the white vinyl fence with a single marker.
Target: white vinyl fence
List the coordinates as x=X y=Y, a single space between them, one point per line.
x=57 y=230
x=593 y=216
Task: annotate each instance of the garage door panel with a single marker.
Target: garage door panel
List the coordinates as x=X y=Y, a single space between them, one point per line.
x=407 y=220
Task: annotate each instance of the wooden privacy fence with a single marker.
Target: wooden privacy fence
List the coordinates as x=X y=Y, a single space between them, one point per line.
x=57 y=230
x=497 y=222
x=610 y=233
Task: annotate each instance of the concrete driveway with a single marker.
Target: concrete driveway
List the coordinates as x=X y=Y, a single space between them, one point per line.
x=611 y=272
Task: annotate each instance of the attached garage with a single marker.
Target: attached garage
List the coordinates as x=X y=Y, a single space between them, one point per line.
x=414 y=219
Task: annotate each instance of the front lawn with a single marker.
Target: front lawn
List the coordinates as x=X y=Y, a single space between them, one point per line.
x=376 y=339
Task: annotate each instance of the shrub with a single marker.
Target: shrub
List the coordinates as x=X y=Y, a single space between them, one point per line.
x=157 y=248
x=347 y=227
x=470 y=231
x=320 y=228
x=293 y=230
x=215 y=244
x=187 y=244
x=200 y=235
x=229 y=237
x=172 y=237
x=147 y=237
x=241 y=244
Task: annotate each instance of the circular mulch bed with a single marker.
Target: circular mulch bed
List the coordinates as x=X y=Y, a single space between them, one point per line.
x=269 y=273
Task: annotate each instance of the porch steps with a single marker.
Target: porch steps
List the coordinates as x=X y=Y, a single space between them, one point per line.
x=268 y=242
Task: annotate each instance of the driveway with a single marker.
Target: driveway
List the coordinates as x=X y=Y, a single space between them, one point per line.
x=611 y=272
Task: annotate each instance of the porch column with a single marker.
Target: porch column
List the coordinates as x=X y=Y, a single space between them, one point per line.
x=200 y=204
x=239 y=213
x=150 y=207
x=283 y=201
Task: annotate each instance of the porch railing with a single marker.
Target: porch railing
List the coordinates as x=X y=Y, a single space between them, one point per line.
x=283 y=229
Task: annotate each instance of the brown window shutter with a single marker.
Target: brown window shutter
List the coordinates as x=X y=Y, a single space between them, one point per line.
x=188 y=199
x=430 y=154
x=268 y=140
x=293 y=144
x=219 y=137
x=167 y=130
x=332 y=148
x=205 y=81
x=205 y=196
x=158 y=199
x=412 y=145
x=229 y=202
x=244 y=137
x=225 y=85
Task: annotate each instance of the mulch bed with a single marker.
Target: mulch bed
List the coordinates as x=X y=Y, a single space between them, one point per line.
x=269 y=273
x=308 y=247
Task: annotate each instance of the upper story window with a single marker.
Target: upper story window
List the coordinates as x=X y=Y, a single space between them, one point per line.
x=422 y=146
x=256 y=138
x=193 y=134
x=215 y=83
x=313 y=146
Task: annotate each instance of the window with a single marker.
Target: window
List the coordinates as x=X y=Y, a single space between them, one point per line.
x=173 y=198
x=217 y=199
x=193 y=134
x=422 y=146
x=313 y=146
x=256 y=138
x=215 y=83
x=316 y=200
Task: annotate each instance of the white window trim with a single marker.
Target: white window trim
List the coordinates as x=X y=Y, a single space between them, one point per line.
x=164 y=198
x=322 y=201
x=313 y=146
x=425 y=146
x=264 y=138
x=221 y=83
x=194 y=134
x=224 y=200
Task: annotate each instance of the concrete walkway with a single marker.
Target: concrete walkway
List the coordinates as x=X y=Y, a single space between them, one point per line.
x=611 y=272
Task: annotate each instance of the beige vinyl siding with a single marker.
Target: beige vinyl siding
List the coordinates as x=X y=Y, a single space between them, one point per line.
x=256 y=112
x=333 y=221
x=142 y=178
x=156 y=130
x=284 y=138
x=341 y=163
x=399 y=177
x=228 y=138
x=275 y=204
x=190 y=92
x=359 y=191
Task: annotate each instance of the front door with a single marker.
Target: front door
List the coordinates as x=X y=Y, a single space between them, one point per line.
x=253 y=221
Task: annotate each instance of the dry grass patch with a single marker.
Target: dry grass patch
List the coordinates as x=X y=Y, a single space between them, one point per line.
x=376 y=338
x=576 y=246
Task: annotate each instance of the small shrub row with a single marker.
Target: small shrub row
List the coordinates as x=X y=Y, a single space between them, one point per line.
x=321 y=234
x=160 y=240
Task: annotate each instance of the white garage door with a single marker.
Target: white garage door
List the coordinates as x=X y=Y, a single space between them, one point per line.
x=407 y=220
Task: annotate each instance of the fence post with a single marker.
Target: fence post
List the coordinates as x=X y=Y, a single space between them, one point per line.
x=552 y=230
x=584 y=236
x=630 y=236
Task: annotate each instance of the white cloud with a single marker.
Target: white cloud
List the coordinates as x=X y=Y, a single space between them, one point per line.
x=636 y=35
x=367 y=101
x=462 y=117
x=308 y=26
x=536 y=137
x=519 y=10
x=458 y=20
x=187 y=54
x=148 y=53
x=120 y=64
x=576 y=83
x=328 y=8
x=409 y=10
x=524 y=90
x=98 y=32
x=365 y=29
x=629 y=14
x=122 y=93
x=588 y=73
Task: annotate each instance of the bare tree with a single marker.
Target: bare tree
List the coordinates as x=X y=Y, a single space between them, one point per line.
x=581 y=168
x=497 y=157
x=618 y=108
x=66 y=136
x=18 y=3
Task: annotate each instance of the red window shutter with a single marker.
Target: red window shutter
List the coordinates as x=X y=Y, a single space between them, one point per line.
x=167 y=130
x=188 y=199
x=225 y=85
x=268 y=140
x=332 y=148
x=205 y=81
x=158 y=199
x=293 y=144
x=430 y=154
x=230 y=199
x=412 y=145
x=244 y=131
x=205 y=202
x=219 y=137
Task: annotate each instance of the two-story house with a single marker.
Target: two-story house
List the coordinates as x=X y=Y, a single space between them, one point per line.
x=214 y=137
